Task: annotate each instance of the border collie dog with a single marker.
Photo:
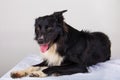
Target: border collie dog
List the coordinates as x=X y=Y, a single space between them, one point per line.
x=65 y=50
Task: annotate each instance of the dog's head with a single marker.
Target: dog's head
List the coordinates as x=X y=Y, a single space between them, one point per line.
x=48 y=29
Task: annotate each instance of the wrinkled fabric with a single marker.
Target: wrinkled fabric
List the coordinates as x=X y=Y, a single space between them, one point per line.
x=109 y=70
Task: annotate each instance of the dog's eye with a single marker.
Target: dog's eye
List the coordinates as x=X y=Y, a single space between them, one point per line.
x=38 y=29
x=49 y=29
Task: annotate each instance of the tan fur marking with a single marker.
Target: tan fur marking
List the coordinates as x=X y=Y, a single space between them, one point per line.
x=42 y=68
x=65 y=27
x=52 y=56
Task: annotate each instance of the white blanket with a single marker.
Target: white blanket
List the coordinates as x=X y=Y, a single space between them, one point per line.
x=109 y=70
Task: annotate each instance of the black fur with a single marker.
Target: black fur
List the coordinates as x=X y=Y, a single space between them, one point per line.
x=80 y=49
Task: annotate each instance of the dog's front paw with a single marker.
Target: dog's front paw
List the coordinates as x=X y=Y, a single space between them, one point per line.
x=18 y=74
x=33 y=74
x=37 y=74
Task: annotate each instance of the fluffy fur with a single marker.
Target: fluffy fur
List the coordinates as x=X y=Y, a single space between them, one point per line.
x=69 y=50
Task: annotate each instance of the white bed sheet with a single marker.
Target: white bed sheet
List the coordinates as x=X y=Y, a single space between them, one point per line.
x=109 y=70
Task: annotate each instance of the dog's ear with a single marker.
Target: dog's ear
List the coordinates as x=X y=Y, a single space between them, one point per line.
x=58 y=15
x=59 y=12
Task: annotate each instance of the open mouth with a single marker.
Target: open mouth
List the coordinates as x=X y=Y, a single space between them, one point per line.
x=44 y=47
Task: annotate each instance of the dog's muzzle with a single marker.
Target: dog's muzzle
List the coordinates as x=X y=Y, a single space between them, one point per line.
x=40 y=39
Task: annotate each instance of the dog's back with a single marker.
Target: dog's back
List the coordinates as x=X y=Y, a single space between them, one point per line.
x=86 y=48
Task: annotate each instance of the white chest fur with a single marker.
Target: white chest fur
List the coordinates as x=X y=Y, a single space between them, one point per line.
x=52 y=57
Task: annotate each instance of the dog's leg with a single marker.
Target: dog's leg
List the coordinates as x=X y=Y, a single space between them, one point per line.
x=65 y=70
x=38 y=73
x=25 y=72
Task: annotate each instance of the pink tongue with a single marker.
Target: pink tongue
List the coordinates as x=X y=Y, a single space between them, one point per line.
x=44 y=48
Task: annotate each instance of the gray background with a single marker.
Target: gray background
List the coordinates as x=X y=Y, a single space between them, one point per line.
x=17 y=24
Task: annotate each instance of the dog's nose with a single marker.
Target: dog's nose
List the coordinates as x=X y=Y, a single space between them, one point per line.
x=41 y=39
